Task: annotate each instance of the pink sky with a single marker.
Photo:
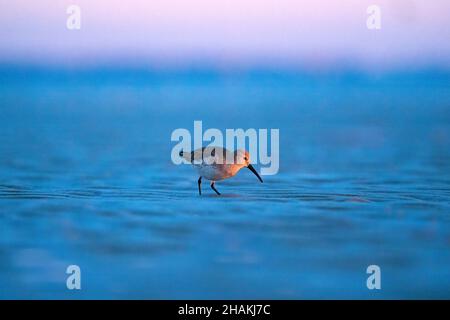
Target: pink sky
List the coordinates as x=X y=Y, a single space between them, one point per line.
x=247 y=32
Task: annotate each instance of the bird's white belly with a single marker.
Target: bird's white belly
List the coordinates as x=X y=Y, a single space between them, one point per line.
x=213 y=172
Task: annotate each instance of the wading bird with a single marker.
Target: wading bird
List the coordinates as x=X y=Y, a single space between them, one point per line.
x=215 y=163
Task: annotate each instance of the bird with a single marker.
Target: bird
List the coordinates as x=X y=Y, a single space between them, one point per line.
x=216 y=163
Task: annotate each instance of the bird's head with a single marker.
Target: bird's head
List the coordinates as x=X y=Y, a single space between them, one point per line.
x=242 y=159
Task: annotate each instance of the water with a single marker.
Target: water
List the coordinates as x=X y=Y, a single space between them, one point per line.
x=86 y=179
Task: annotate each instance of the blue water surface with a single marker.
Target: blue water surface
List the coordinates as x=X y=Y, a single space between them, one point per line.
x=86 y=178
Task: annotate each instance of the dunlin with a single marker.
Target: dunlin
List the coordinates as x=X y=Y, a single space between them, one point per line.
x=215 y=163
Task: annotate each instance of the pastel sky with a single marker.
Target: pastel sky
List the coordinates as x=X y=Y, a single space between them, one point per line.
x=318 y=33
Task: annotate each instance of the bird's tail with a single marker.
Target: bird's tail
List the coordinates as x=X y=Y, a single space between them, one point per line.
x=187 y=155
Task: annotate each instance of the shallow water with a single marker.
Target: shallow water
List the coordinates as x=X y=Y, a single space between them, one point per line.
x=86 y=179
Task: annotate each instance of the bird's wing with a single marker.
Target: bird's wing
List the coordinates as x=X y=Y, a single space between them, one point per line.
x=209 y=155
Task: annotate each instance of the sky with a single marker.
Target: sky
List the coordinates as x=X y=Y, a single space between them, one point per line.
x=312 y=34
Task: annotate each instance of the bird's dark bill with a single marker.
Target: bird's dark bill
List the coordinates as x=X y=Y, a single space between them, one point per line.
x=254 y=171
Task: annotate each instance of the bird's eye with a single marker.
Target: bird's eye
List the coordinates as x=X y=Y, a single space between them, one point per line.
x=245 y=158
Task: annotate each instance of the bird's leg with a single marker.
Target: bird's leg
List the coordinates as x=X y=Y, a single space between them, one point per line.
x=214 y=188
x=200 y=186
